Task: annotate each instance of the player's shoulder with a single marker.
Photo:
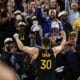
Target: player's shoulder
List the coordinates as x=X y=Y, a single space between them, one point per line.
x=35 y=50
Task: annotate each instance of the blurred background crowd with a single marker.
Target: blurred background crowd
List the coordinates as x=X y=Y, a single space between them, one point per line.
x=33 y=20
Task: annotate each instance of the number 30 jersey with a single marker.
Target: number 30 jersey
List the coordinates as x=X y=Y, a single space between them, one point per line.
x=45 y=62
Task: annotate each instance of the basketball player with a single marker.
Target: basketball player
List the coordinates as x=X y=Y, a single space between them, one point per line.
x=44 y=57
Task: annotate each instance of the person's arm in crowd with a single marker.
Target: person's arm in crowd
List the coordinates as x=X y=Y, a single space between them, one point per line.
x=59 y=48
x=67 y=5
x=28 y=50
x=39 y=15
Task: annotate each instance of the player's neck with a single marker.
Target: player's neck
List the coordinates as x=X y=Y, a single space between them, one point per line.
x=44 y=47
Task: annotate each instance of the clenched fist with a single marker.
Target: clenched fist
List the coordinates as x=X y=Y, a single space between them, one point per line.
x=16 y=35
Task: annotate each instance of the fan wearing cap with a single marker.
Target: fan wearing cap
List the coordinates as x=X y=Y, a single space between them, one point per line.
x=8 y=50
x=20 y=27
x=54 y=34
x=6 y=24
x=36 y=32
x=52 y=14
x=63 y=15
x=46 y=23
x=18 y=15
x=7 y=44
x=23 y=32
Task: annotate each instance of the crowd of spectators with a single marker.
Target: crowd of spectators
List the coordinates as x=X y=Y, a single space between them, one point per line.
x=33 y=20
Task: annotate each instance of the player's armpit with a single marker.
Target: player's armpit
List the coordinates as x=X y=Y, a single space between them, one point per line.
x=30 y=50
x=57 y=50
x=34 y=52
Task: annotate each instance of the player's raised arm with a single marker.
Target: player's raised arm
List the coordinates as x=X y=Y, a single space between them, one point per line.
x=26 y=49
x=59 y=48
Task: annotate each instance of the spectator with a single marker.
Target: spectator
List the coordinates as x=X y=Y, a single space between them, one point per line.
x=53 y=4
x=63 y=15
x=73 y=12
x=76 y=27
x=47 y=23
x=61 y=4
x=46 y=7
x=11 y=5
x=72 y=39
x=54 y=34
x=18 y=16
x=6 y=52
x=22 y=30
x=14 y=58
x=6 y=23
x=71 y=57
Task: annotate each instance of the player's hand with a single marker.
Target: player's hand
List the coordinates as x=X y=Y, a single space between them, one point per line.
x=16 y=35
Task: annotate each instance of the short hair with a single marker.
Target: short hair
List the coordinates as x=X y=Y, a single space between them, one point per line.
x=74 y=3
x=46 y=41
x=73 y=34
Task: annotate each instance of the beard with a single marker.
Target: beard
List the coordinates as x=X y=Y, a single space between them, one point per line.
x=52 y=18
x=64 y=20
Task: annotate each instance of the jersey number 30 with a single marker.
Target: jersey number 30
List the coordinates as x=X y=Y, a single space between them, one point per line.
x=46 y=64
